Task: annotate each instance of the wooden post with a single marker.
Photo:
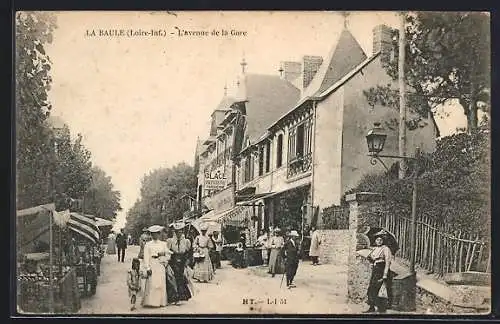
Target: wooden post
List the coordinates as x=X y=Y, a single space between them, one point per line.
x=402 y=97
x=414 y=216
x=51 y=262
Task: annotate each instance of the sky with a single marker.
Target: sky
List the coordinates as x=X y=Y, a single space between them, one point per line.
x=140 y=102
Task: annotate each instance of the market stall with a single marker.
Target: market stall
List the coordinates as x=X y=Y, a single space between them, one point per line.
x=44 y=283
x=86 y=254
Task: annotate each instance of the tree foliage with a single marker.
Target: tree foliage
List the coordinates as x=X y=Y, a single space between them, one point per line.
x=34 y=149
x=453 y=184
x=51 y=166
x=447 y=58
x=163 y=197
x=101 y=199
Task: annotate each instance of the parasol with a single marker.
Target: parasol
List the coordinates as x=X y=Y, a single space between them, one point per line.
x=389 y=238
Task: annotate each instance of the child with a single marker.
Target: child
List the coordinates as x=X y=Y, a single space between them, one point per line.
x=134 y=281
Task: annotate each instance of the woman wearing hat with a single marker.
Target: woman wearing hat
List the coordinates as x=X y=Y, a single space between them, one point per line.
x=111 y=243
x=145 y=237
x=276 y=263
x=181 y=247
x=156 y=256
x=380 y=257
x=203 y=270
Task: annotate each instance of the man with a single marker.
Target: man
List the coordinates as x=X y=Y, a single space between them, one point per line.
x=218 y=249
x=315 y=244
x=291 y=254
x=121 y=245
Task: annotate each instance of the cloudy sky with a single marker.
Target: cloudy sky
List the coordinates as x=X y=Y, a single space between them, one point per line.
x=140 y=102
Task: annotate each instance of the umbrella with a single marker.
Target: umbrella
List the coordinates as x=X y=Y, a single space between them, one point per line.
x=389 y=238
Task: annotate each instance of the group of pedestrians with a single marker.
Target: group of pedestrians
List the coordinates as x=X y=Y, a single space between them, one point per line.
x=169 y=265
x=117 y=243
x=281 y=252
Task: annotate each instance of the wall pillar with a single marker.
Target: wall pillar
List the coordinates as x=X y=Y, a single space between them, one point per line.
x=363 y=212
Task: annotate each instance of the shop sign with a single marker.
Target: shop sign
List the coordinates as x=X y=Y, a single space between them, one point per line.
x=215 y=180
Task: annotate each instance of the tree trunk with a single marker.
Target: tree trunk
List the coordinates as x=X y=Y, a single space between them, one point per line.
x=472 y=120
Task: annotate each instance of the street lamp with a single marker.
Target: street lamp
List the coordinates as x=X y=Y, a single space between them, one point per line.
x=376 y=139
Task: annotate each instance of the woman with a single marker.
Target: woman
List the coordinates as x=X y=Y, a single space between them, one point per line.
x=156 y=256
x=111 y=243
x=212 y=252
x=203 y=270
x=145 y=237
x=181 y=248
x=276 y=262
x=262 y=243
x=315 y=245
x=380 y=258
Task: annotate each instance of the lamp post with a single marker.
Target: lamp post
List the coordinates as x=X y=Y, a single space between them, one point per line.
x=375 y=140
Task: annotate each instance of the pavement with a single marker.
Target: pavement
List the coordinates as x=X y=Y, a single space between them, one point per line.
x=320 y=290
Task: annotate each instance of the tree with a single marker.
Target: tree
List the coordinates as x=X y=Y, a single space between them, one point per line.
x=35 y=152
x=73 y=166
x=101 y=199
x=163 y=197
x=447 y=58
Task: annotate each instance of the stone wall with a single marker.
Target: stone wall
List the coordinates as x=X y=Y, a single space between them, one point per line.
x=334 y=247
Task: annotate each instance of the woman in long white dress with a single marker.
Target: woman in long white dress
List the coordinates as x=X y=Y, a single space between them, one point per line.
x=156 y=256
x=111 y=243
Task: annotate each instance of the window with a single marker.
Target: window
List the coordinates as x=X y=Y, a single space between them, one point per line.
x=268 y=156
x=261 y=160
x=249 y=168
x=279 y=151
x=299 y=150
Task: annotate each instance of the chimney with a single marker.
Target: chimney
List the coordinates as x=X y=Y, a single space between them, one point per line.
x=382 y=41
x=290 y=71
x=310 y=65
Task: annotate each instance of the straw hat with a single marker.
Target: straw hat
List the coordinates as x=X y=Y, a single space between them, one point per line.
x=178 y=226
x=277 y=230
x=294 y=233
x=204 y=227
x=155 y=229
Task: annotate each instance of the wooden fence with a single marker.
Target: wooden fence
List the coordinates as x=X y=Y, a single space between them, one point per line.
x=439 y=250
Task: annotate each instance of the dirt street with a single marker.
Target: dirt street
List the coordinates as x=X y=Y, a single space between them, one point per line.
x=320 y=290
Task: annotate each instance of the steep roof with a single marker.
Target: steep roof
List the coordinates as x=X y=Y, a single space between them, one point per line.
x=225 y=103
x=268 y=97
x=342 y=58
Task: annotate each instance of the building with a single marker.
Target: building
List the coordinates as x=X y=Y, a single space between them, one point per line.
x=305 y=158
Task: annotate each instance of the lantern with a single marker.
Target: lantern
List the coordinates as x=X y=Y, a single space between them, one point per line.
x=376 y=139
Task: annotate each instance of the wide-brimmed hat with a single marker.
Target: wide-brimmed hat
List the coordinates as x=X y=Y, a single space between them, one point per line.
x=204 y=227
x=155 y=229
x=277 y=230
x=294 y=233
x=145 y=229
x=178 y=226
x=381 y=233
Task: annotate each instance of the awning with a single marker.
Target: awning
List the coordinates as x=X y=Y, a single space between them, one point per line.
x=101 y=222
x=250 y=200
x=33 y=224
x=36 y=210
x=236 y=216
x=84 y=226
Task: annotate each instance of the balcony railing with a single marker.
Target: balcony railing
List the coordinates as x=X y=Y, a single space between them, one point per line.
x=299 y=165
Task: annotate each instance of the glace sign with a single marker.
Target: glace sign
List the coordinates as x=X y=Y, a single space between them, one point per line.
x=215 y=180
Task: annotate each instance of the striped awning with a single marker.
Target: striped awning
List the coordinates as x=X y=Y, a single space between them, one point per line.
x=84 y=226
x=238 y=216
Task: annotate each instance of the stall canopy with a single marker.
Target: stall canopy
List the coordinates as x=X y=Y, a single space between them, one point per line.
x=33 y=224
x=85 y=226
x=101 y=222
